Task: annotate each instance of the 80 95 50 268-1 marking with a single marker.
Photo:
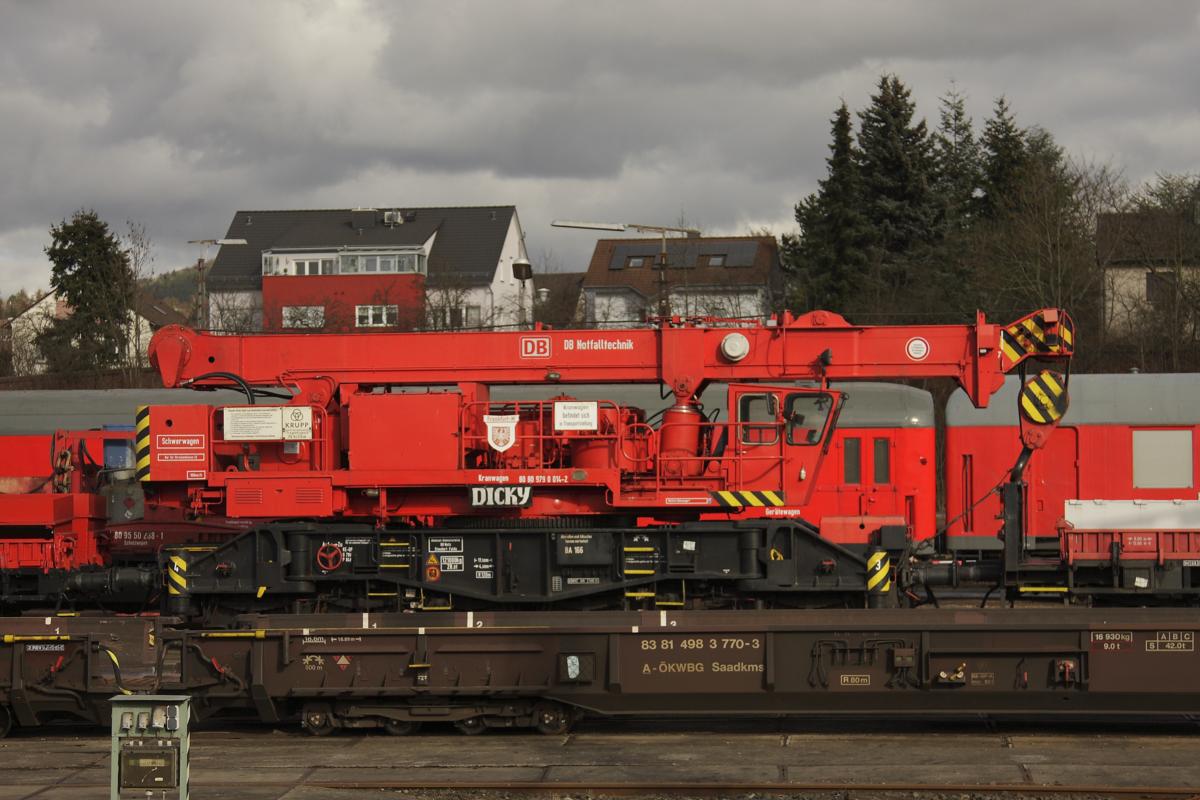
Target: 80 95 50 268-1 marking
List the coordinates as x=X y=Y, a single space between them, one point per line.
x=703 y=643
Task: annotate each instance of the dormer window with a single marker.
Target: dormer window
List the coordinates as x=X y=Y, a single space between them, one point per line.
x=344 y=262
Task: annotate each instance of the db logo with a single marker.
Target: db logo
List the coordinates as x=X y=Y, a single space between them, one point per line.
x=535 y=347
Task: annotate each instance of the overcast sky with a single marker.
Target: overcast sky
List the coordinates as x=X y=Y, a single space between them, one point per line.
x=177 y=114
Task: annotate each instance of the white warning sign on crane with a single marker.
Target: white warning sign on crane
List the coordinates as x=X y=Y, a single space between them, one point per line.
x=253 y=424
x=576 y=416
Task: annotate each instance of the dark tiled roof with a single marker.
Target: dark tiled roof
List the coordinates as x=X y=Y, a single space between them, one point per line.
x=157 y=312
x=749 y=261
x=1146 y=238
x=467 y=247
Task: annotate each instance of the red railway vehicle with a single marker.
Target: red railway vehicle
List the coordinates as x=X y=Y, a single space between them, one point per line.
x=395 y=479
x=1111 y=501
x=67 y=534
x=881 y=467
x=878 y=471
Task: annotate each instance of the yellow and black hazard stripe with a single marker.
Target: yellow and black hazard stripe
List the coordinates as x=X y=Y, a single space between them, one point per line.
x=879 y=573
x=141 y=442
x=1027 y=337
x=177 y=575
x=1066 y=333
x=1033 y=336
x=748 y=499
x=1044 y=398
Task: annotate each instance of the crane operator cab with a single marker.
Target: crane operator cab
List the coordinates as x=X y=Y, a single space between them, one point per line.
x=777 y=439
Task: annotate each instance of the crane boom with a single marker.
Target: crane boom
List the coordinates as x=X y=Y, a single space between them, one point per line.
x=817 y=346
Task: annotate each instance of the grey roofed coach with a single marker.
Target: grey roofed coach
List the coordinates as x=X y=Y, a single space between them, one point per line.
x=1125 y=399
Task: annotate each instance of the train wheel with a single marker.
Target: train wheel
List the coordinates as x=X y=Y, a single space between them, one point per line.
x=552 y=719
x=317 y=721
x=5 y=721
x=472 y=726
x=401 y=727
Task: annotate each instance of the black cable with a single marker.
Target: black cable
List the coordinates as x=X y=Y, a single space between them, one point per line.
x=238 y=379
x=269 y=393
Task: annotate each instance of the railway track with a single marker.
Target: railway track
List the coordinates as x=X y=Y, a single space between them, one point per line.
x=688 y=789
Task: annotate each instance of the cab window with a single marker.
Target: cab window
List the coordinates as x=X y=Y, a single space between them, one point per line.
x=806 y=415
x=758 y=415
x=852 y=460
x=883 y=461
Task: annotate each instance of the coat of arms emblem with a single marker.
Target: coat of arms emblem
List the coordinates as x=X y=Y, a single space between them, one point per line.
x=501 y=430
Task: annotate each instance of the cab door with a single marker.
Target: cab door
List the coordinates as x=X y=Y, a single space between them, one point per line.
x=757 y=438
x=810 y=417
x=780 y=436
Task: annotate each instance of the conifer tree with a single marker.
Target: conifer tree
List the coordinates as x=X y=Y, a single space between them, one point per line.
x=895 y=162
x=830 y=255
x=1004 y=157
x=957 y=158
x=90 y=272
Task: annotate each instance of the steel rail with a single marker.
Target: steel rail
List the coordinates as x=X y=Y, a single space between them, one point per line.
x=716 y=788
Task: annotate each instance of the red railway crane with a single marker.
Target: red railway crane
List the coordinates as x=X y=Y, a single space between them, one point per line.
x=391 y=471
x=350 y=433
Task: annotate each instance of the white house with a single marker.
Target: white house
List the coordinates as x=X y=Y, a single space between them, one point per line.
x=147 y=316
x=730 y=277
x=390 y=268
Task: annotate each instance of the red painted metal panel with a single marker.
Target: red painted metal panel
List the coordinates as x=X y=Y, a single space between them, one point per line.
x=404 y=431
x=1085 y=462
x=279 y=496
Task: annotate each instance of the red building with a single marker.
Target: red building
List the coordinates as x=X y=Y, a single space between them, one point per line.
x=339 y=303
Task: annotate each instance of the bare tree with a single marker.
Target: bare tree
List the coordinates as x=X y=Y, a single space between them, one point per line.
x=235 y=312
x=139 y=251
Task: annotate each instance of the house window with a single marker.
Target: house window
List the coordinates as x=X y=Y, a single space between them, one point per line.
x=717 y=260
x=636 y=261
x=1160 y=288
x=346 y=264
x=464 y=317
x=304 y=316
x=376 y=316
x=313 y=267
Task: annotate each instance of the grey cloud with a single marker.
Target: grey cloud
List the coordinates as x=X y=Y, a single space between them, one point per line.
x=176 y=114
